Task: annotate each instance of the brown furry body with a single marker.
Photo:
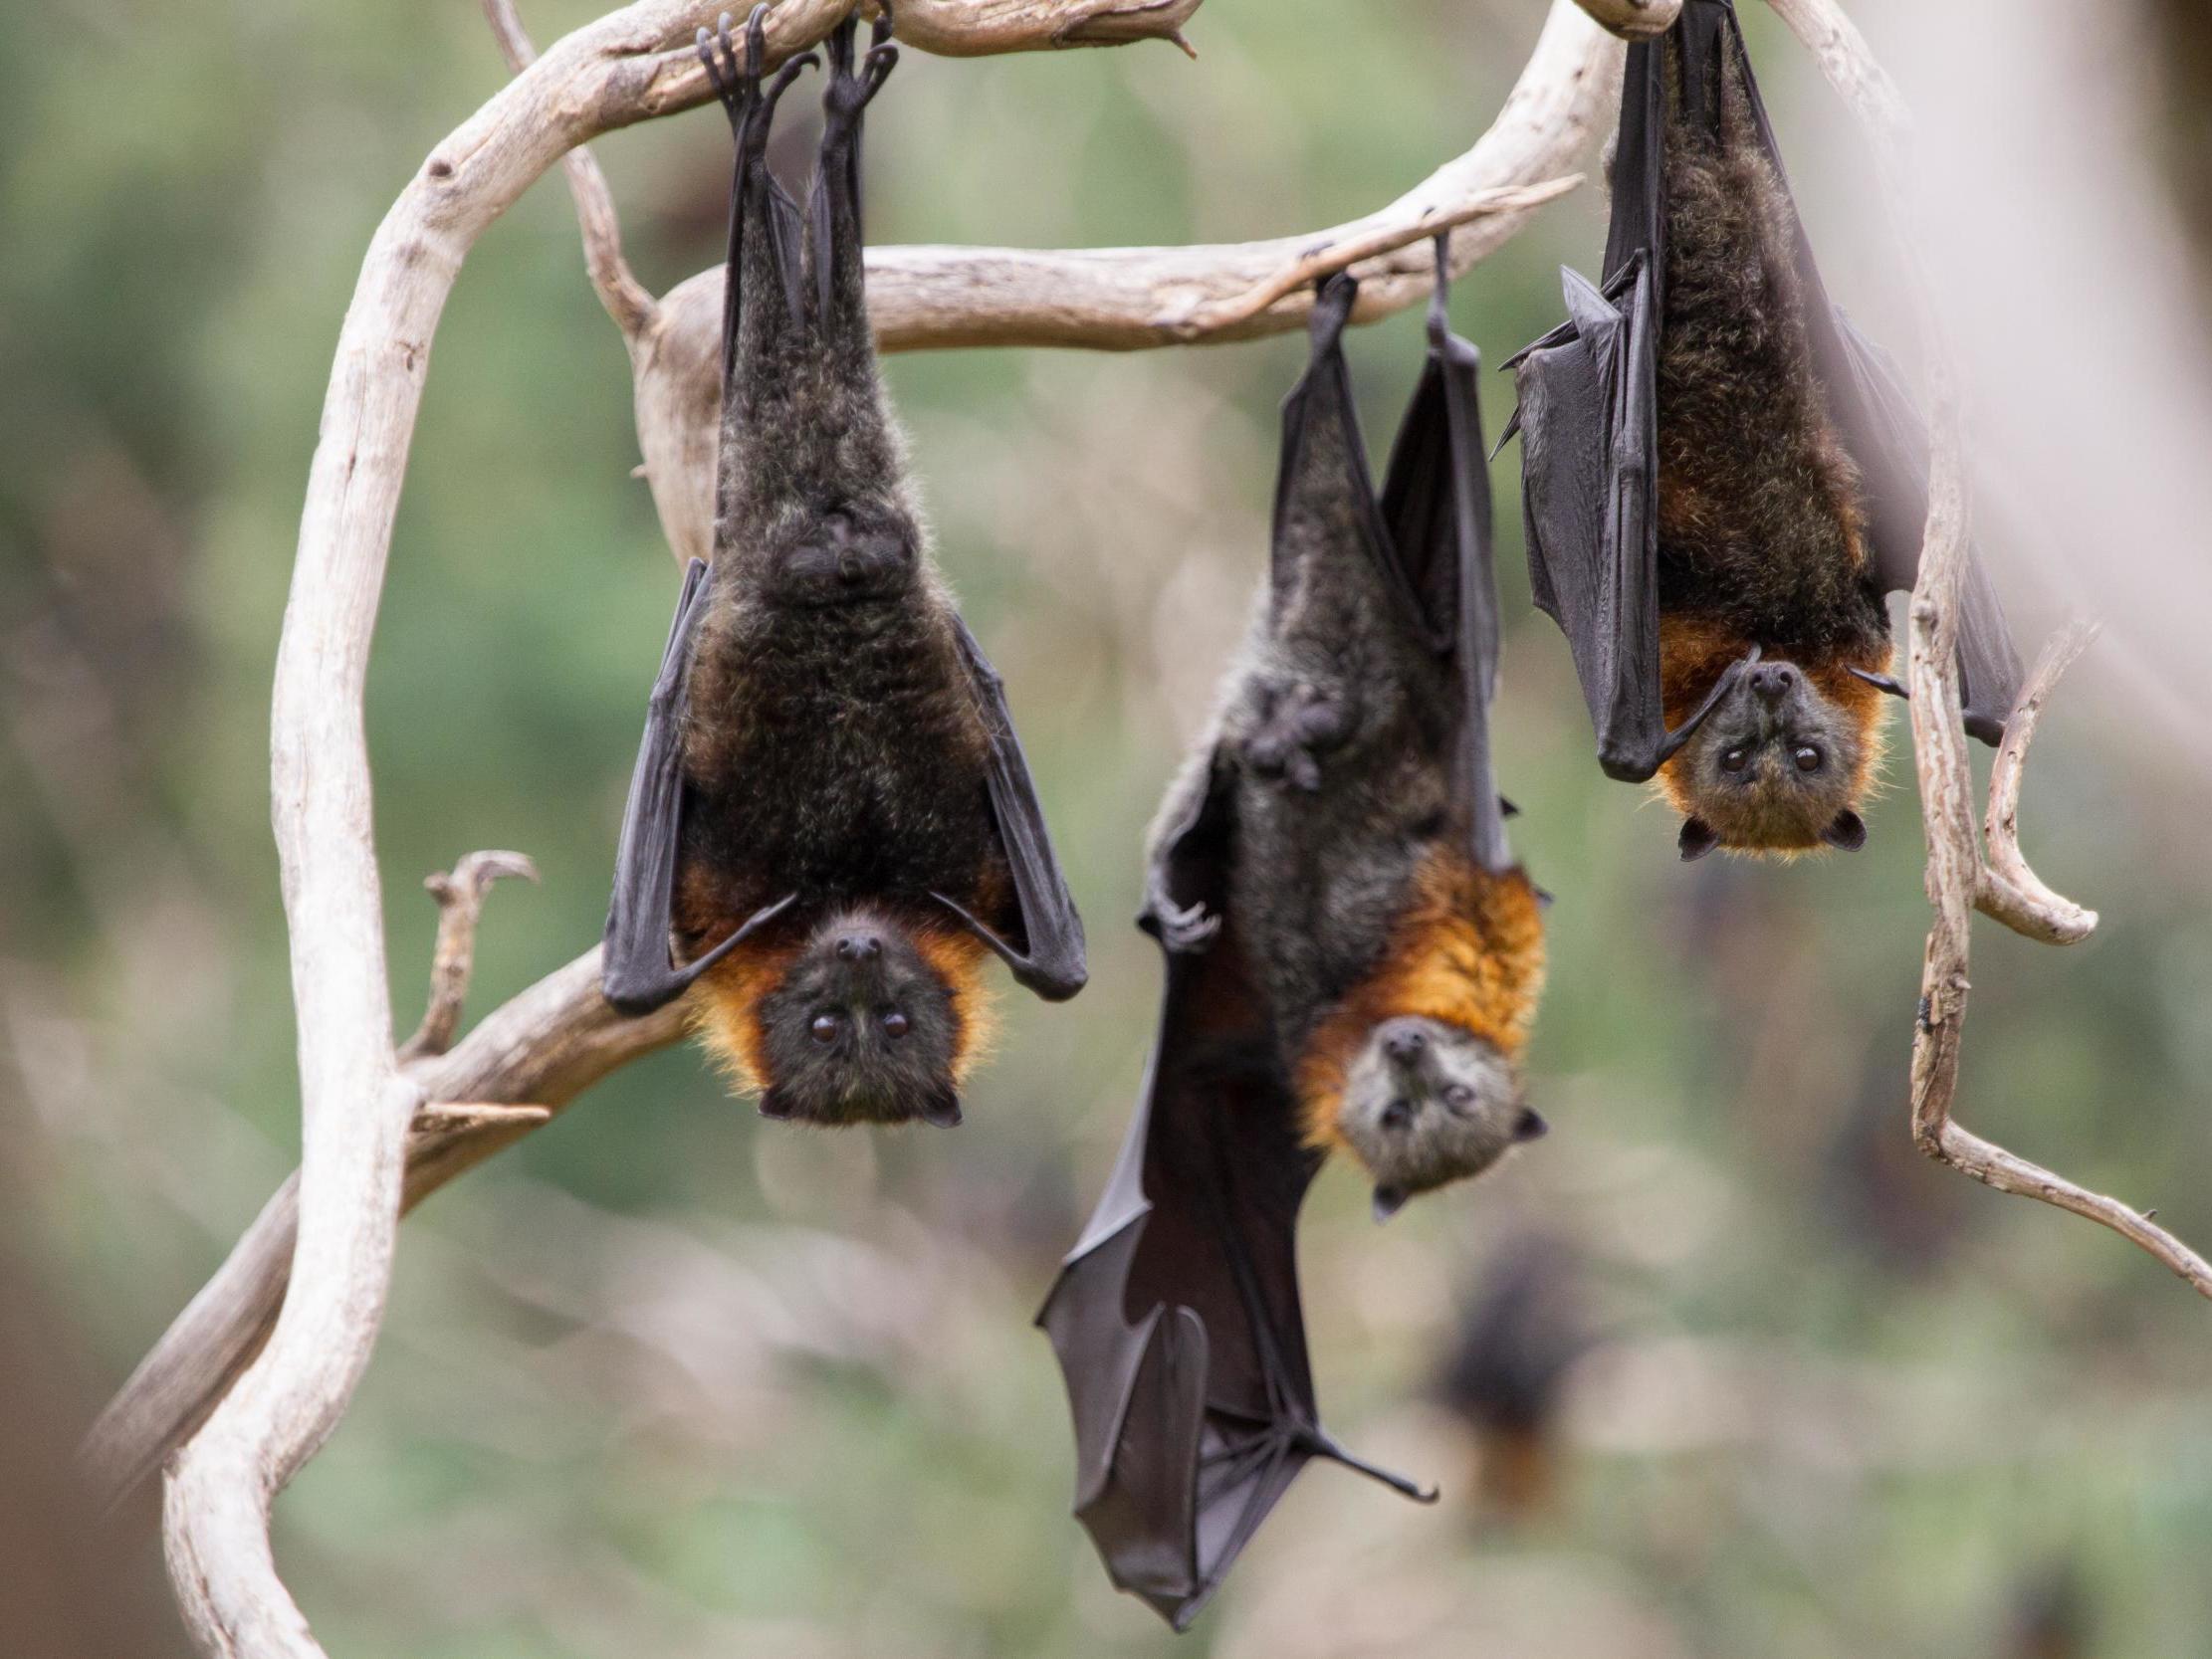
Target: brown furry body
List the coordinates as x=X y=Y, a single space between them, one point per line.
x=1353 y=893
x=1761 y=524
x=835 y=749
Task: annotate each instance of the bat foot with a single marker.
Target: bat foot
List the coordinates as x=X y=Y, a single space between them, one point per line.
x=1181 y=930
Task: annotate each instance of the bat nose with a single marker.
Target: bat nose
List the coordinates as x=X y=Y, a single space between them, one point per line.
x=1771 y=682
x=859 y=948
x=1404 y=1045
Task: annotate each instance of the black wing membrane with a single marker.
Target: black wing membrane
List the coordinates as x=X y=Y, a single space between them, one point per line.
x=1589 y=425
x=1177 y=1318
x=1052 y=965
x=636 y=974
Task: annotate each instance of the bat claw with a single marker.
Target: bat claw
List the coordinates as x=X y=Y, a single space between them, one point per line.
x=1183 y=930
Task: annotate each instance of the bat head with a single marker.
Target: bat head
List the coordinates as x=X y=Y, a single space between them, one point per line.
x=1780 y=766
x=865 y=1025
x=1426 y=1103
x=856 y=553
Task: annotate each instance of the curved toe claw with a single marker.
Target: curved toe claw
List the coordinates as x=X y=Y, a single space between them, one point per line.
x=1184 y=930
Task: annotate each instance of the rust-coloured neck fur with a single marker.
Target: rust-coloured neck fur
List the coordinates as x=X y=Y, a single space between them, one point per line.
x=1467 y=952
x=728 y=1016
x=1694 y=651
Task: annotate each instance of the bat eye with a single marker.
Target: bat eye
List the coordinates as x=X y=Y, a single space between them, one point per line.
x=824 y=1028
x=1735 y=759
x=1808 y=758
x=1398 y=1115
x=896 y=1024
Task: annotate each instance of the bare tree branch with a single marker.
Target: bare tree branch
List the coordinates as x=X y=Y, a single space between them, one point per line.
x=360 y=1162
x=545 y=1047
x=355 y=1101
x=1633 y=20
x=630 y=302
x=460 y=895
x=1958 y=880
x=1136 y=298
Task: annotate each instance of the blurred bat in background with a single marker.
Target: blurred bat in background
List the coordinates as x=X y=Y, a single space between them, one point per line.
x=1353 y=959
x=1722 y=479
x=831 y=820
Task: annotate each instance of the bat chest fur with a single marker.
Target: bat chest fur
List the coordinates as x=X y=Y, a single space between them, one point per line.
x=1761 y=515
x=1326 y=875
x=836 y=754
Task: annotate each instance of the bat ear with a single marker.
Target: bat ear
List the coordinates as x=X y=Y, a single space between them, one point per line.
x=1531 y=1125
x=1847 y=830
x=942 y=1108
x=1696 y=840
x=1389 y=1200
x=776 y=1103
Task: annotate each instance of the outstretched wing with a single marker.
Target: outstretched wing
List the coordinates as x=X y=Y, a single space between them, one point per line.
x=1050 y=960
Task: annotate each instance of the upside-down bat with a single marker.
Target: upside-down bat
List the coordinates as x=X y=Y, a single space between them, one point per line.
x=1722 y=479
x=1352 y=961
x=831 y=821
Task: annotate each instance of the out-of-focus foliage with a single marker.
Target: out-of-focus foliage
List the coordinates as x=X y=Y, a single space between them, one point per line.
x=667 y=1380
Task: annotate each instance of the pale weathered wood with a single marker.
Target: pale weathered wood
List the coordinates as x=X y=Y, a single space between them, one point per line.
x=459 y=894
x=1958 y=878
x=1136 y=298
x=1633 y=20
x=355 y=1102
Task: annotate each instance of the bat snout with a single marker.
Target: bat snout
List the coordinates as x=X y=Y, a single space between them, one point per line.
x=1772 y=681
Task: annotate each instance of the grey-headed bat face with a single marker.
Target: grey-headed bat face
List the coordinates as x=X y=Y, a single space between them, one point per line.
x=1776 y=767
x=1426 y=1104
x=861 y=1029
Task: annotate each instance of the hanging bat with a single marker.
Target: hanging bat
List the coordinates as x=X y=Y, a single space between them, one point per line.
x=1722 y=479
x=1352 y=961
x=832 y=822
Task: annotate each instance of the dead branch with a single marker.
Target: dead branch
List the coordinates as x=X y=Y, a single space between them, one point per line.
x=630 y=302
x=357 y=1102
x=1137 y=299
x=460 y=895
x=1959 y=878
x=1633 y=20
x=544 y=1047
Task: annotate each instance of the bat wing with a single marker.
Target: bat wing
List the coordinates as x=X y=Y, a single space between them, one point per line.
x=1437 y=507
x=636 y=974
x=1588 y=421
x=1052 y=965
x=1176 y=1318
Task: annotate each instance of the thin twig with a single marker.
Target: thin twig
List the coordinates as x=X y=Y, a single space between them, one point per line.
x=2011 y=892
x=460 y=895
x=1958 y=879
x=630 y=302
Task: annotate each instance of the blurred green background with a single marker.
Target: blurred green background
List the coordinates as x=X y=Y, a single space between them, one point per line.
x=666 y=1380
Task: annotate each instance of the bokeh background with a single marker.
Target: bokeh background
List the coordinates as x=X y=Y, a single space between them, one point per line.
x=1722 y=1369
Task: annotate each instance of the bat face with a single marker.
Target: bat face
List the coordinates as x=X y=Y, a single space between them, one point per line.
x=861 y=1028
x=1777 y=768
x=1425 y=1104
x=850 y=555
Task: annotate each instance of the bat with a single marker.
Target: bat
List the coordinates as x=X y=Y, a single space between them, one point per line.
x=1504 y=1372
x=832 y=822
x=1352 y=963
x=1722 y=479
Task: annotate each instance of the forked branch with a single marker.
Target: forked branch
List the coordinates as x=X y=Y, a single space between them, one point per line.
x=1960 y=877
x=367 y=1146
